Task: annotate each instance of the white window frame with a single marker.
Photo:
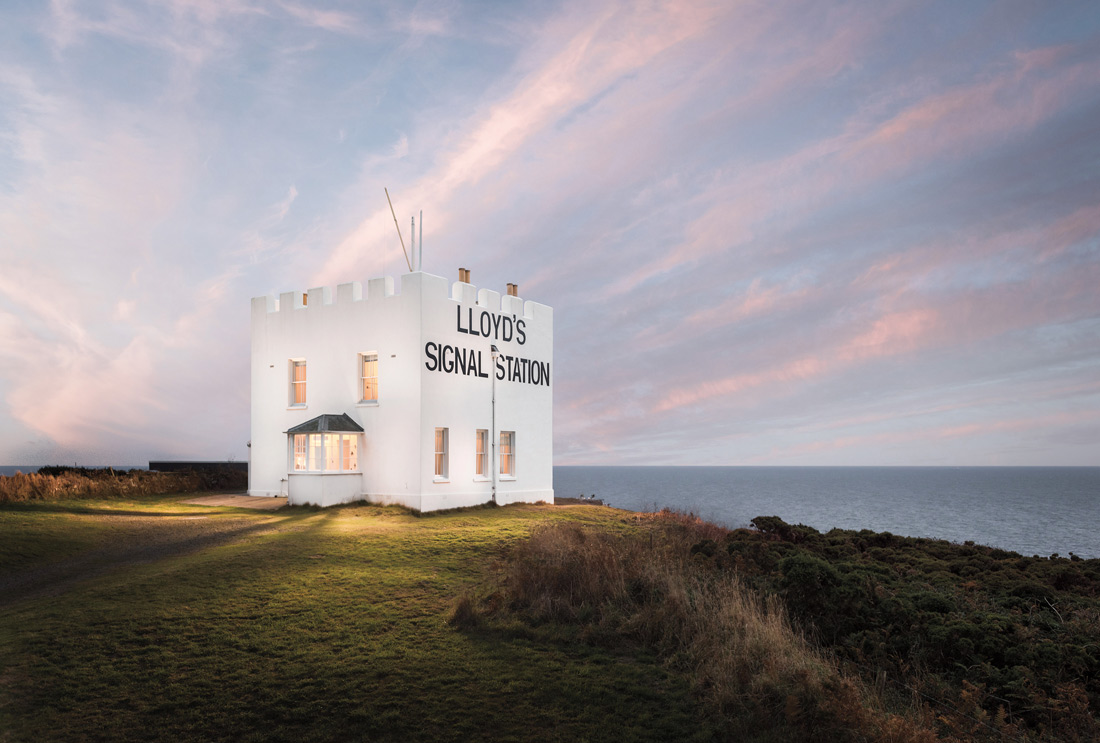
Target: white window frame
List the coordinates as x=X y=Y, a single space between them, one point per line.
x=440 y=460
x=310 y=453
x=508 y=459
x=299 y=452
x=481 y=455
x=362 y=359
x=292 y=365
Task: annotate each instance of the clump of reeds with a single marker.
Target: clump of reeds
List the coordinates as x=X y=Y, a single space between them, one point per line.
x=105 y=484
x=752 y=669
x=464 y=613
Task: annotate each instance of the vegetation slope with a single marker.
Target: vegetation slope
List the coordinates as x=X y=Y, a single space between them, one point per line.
x=525 y=623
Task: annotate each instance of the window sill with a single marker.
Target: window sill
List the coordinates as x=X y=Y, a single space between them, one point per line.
x=367 y=404
x=480 y=478
x=507 y=478
x=297 y=407
x=441 y=479
x=326 y=472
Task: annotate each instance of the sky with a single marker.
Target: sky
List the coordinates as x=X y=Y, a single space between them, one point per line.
x=773 y=233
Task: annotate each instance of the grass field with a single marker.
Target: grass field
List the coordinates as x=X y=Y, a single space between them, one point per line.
x=148 y=619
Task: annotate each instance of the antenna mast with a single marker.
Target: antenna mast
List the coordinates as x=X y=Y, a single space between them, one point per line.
x=420 y=260
x=398 y=229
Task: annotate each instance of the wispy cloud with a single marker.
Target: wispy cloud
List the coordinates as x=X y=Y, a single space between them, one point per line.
x=773 y=233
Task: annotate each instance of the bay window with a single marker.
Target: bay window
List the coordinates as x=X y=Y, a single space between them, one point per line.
x=326 y=452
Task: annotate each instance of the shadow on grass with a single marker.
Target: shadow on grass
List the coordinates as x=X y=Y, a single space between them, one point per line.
x=57 y=578
x=94 y=508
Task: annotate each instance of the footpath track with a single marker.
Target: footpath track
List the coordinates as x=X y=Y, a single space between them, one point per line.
x=136 y=538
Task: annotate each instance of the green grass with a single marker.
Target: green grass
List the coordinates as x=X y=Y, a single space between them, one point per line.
x=40 y=532
x=311 y=626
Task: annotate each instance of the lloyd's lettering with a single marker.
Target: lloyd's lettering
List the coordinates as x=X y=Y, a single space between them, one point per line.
x=497 y=327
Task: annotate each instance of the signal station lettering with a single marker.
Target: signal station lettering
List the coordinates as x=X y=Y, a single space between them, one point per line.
x=469 y=362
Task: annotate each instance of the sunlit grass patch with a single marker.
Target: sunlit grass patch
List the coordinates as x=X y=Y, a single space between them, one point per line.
x=314 y=625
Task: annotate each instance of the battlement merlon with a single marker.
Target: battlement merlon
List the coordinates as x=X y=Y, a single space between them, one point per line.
x=383 y=288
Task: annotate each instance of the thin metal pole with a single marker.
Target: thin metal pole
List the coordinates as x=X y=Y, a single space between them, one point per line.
x=493 y=431
x=420 y=260
x=398 y=229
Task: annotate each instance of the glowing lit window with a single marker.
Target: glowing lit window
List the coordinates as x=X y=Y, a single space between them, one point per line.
x=441 y=453
x=332 y=452
x=325 y=452
x=368 y=377
x=508 y=453
x=297 y=382
x=481 y=466
x=300 y=456
x=349 y=452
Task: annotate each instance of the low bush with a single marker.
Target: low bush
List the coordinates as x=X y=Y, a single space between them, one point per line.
x=51 y=483
x=1003 y=646
x=651 y=586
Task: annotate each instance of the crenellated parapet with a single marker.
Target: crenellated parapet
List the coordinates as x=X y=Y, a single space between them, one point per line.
x=383 y=289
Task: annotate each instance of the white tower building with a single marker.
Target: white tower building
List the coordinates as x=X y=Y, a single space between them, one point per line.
x=425 y=397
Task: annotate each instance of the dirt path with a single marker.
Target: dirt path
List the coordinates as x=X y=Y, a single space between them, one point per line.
x=137 y=540
x=239 y=501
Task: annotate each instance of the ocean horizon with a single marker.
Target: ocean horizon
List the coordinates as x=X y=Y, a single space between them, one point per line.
x=1026 y=509
x=1030 y=510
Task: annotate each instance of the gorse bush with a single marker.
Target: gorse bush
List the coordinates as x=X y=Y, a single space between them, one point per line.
x=1005 y=646
x=51 y=483
x=651 y=586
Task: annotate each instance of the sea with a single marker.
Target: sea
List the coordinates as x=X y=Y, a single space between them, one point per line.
x=1030 y=510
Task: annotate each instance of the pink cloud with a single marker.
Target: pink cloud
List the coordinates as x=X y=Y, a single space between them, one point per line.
x=583 y=61
x=758 y=299
x=891 y=335
x=797 y=370
x=1007 y=101
x=936 y=433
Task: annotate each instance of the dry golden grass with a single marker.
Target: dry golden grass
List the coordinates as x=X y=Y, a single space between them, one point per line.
x=26 y=487
x=753 y=670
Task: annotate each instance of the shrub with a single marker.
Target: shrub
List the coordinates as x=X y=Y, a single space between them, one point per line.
x=664 y=587
x=69 y=482
x=1007 y=639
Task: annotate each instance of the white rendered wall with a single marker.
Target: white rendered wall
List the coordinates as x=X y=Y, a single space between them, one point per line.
x=397 y=453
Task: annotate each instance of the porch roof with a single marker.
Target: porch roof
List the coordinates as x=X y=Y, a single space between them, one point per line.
x=328 y=423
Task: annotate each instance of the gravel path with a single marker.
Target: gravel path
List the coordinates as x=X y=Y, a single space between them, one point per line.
x=137 y=540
